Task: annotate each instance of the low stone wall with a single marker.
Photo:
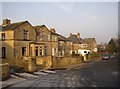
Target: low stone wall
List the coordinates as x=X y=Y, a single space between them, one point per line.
x=27 y=63
x=49 y=62
x=4 y=71
x=44 y=61
x=65 y=62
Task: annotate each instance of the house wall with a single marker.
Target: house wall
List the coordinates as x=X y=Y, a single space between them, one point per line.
x=18 y=48
x=75 y=47
x=18 y=32
x=9 y=45
x=51 y=42
x=55 y=46
x=44 y=32
x=9 y=34
x=68 y=48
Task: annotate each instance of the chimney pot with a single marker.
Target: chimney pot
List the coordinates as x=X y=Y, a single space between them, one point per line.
x=78 y=35
x=6 y=22
x=70 y=34
x=53 y=30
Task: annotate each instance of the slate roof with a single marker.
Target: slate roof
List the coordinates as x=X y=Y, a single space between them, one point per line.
x=75 y=40
x=89 y=40
x=40 y=26
x=11 y=26
x=62 y=38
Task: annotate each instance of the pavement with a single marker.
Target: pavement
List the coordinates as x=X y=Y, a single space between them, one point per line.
x=21 y=77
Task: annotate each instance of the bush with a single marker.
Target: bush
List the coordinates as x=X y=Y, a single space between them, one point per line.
x=94 y=54
x=75 y=55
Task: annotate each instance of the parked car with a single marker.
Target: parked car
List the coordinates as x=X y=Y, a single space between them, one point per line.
x=106 y=57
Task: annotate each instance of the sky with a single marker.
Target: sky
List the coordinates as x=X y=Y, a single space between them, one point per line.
x=91 y=19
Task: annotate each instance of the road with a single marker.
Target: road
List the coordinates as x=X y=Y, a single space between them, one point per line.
x=102 y=73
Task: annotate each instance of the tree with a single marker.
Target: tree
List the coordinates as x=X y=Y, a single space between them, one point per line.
x=112 y=47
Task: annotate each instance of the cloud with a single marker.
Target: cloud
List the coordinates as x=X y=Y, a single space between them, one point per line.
x=65 y=7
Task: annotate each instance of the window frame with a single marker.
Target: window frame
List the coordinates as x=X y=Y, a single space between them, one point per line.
x=23 y=51
x=3 y=52
x=36 y=51
x=25 y=35
x=3 y=36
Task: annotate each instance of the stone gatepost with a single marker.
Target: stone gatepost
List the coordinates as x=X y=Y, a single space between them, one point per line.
x=85 y=58
x=31 y=64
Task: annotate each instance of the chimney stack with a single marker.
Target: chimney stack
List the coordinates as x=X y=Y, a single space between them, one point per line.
x=78 y=35
x=6 y=22
x=70 y=34
x=52 y=30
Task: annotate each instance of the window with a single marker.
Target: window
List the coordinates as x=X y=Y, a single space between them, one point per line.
x=3 y=36
x=55 y=38
x=53 y=52
x=36 y=51
x=82 y=45
x=48 y=37
x=25 y=35
x=31 y=51
x=60 y=53
x=85 y=51
x=41 y=51
x=3 y=52
x=41 y=36
x=23 y=51
x=45 y=50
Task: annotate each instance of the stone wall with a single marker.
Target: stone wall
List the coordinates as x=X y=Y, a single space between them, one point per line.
x=4 y=72
x=48 y=62
x=65 y=62
x=27 y=63
x=9 y=45
x=44 y=61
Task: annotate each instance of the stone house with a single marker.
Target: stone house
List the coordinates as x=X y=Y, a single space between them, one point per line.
x=92 y=45
x=49 y=38
x=82 y=44
x=28 y=47
x=64 y=46
x=77 y=42
x=50 y=48
x=16 y=41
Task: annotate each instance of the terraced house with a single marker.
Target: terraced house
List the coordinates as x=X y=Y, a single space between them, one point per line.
x=65 y=46
x=34 y=47
x=82 y=44
x=50 y=48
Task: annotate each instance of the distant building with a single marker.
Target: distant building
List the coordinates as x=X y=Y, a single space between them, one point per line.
x=82 y=44
x=92 y=45
x=65 y=46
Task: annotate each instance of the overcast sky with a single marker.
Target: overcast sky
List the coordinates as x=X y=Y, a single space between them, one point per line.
x=91 y=19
